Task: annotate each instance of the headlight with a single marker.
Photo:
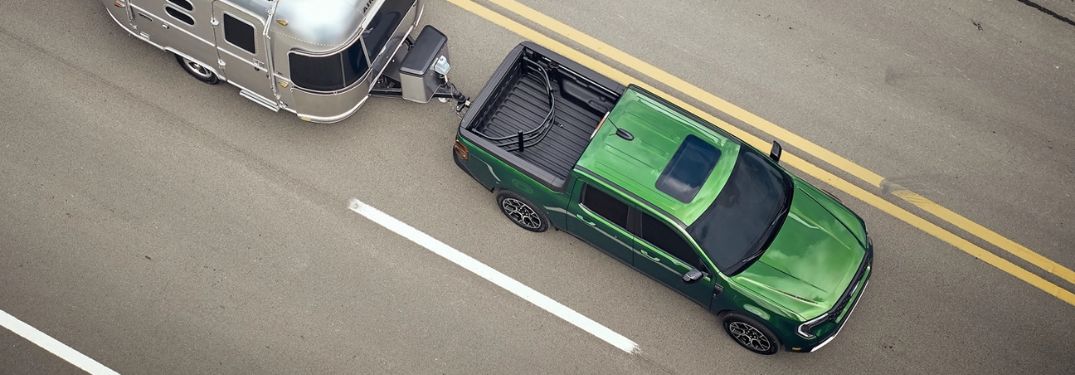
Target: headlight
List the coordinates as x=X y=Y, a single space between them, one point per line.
x=805 y=328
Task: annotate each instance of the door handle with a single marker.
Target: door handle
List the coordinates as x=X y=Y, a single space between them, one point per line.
x=590 y=223
x=653 y=258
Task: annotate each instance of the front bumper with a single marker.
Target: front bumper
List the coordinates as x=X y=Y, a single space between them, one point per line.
x=842 y=323
x=842 y=312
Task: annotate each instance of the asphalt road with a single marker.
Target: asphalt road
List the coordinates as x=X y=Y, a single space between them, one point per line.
x=160 y=225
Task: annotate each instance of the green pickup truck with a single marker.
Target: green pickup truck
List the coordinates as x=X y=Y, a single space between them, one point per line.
x=780 y=262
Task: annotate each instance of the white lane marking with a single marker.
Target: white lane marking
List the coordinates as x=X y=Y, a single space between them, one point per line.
x=46 y=342
x=494 y=276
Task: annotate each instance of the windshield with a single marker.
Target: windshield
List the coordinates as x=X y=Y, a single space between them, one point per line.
x=746 y=214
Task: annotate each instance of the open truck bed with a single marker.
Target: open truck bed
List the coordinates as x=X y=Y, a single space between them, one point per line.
x=538 y=112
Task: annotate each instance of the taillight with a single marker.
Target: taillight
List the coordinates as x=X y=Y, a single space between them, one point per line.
x=461 y=150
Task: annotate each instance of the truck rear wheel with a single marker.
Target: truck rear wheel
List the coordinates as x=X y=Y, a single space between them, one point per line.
x=197 y=71
x=521 y=212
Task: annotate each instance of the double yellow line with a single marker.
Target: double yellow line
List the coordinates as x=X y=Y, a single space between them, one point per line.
x=869 y=177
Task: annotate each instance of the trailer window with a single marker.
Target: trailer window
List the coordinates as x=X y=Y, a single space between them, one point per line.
x=329 y=73
x=355 y=64
x=385 y=23
x=239 y=33
x=185 y=4
x=317 y=73
x=182 y=17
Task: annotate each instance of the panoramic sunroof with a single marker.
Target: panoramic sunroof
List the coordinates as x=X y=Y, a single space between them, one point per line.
x=688 y=169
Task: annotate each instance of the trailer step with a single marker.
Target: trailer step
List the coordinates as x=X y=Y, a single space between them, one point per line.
x=263 y=101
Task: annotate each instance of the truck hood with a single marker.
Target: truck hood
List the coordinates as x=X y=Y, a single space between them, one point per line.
x=812 y=259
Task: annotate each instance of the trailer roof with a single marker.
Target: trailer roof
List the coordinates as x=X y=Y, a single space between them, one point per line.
x=261 y=8
x=322 y=25
x=651 y=164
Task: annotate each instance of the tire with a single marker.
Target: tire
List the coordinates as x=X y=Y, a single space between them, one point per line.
x=750 y=334
x=197 y=71
x=521 y=212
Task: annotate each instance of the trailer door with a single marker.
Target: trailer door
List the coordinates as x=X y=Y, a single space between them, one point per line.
x=242 y=51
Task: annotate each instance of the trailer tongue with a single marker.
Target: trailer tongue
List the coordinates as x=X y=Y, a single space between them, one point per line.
x=419 y=73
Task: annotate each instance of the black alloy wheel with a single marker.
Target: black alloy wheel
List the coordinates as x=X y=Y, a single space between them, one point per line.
x=751 y=335
x=521 y=212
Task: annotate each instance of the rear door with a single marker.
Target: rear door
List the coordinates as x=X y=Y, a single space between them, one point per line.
x=164 y=22
x=598 y=217
x=666 y=255
x=241 y=49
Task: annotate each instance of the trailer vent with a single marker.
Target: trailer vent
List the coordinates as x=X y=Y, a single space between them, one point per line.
x=185 y=4
x=182 y=17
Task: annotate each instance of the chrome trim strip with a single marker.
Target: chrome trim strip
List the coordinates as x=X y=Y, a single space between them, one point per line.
x=332 y=119
x=125 y=27
x=270 y=59
x=844 y=323
x=493 y=173
x=601 y=231
x=556 y=209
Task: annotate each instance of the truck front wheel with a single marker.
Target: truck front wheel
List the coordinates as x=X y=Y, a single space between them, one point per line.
x=521 y=212
x=750 y=334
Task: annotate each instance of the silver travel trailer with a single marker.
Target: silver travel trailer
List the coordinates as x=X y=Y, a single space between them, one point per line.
x=319 y=59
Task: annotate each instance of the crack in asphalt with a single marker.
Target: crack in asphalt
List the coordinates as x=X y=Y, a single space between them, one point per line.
x=1045 y=10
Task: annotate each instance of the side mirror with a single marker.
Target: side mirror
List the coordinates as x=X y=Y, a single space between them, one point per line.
x=776 y=151
x=692 y=276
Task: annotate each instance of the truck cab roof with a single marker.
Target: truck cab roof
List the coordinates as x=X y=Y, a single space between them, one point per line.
x=654 y=150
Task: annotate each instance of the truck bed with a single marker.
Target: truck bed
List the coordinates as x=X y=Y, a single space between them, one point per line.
x=519 y=102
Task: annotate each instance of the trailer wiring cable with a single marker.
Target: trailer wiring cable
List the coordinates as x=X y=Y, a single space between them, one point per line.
x=538 y=133
x=552 y=108
x=462 y=102
x=550 y=119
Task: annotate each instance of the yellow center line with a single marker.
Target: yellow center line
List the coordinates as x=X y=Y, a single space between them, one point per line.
x=690 y=90
x=789 y=138
x=788 y=158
